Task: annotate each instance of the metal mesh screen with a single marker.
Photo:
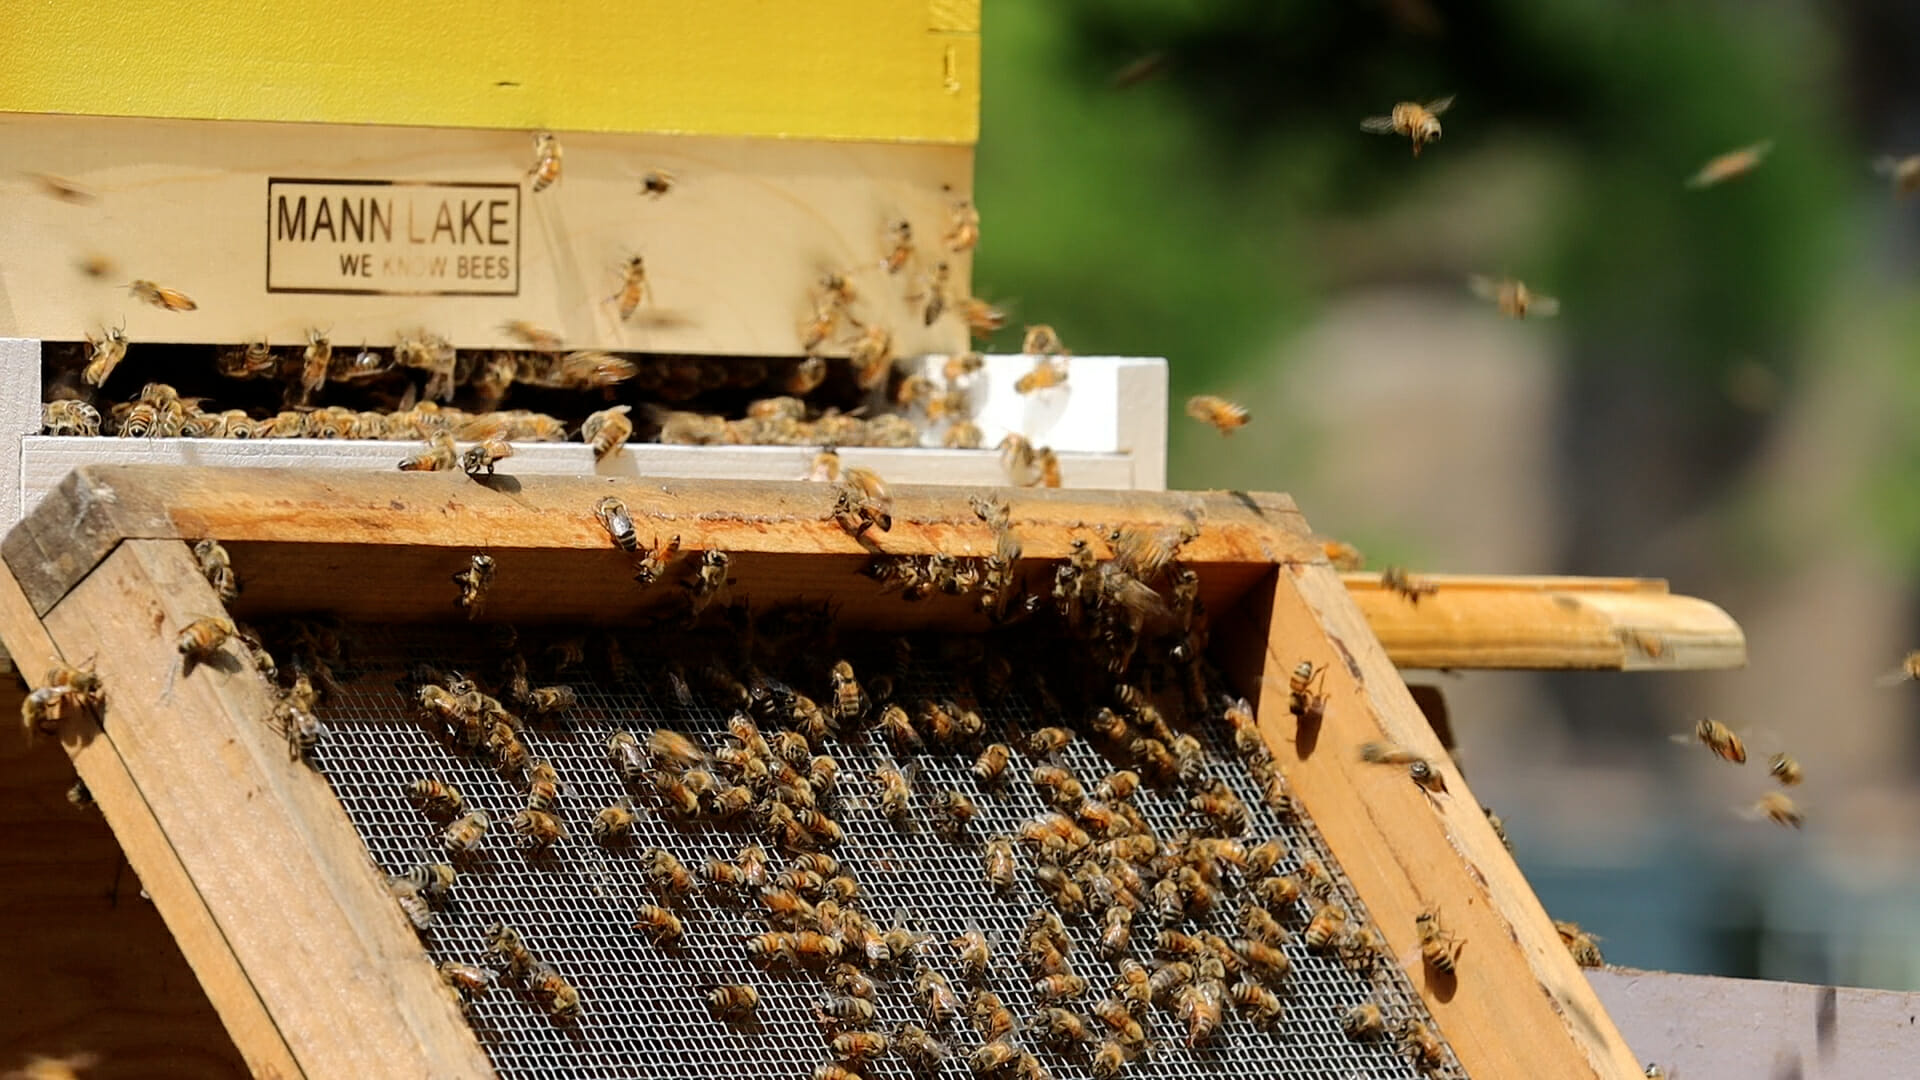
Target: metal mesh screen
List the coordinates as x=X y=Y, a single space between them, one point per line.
x=643 y=1013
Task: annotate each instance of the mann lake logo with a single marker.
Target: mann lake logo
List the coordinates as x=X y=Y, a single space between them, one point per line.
x=393 y=238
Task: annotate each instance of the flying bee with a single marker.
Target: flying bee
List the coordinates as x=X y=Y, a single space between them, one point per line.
x=1731 y=165
x=107 y=352
x=1217 y=412
x=872 y=356
x=546 y=160
x=1786 y=769
x=160 y=296
x=439 y=456
x=1512 y=297
x=1365 y=1021
x=651 y=566
x=553 y=992
x=474 y=582
x=1040 y=340
x=201 y=639
x=218 y=569
x=633 y=287
x=315 y=360
x=465 y=834
x=1046 y=374
x=900 y=234
x=1584 y=947
x=1439 y=948
x=983 y=319
x=1719 y=738
x=1418 y=122
x=661 y=926
x=485 y=454
x=1258 y=1004
x=615 y=821
x=1386 y=753
x=1396 y=580
x=539 y=827
x=1776 y=807
x=607 y=431
x=466 y=980
x=1325 y=928
x=734 y=1002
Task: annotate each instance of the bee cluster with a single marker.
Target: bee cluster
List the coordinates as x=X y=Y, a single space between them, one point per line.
x=746 y=840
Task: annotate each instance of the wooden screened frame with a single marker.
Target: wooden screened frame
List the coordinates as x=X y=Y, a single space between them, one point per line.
x=285 y=921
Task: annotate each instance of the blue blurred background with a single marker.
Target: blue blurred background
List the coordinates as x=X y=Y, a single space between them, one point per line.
x=1726 y=399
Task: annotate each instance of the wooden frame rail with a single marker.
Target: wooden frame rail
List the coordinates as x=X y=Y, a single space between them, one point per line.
x=262 y=878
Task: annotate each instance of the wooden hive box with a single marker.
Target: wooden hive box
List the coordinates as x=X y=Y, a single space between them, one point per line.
x=264 y=880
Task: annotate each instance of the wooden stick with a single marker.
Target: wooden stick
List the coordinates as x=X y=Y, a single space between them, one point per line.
x=279 y=867
x=153 y=859
x=1548 y=623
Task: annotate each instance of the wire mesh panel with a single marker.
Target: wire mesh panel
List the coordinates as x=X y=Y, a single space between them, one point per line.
x=644 y=1012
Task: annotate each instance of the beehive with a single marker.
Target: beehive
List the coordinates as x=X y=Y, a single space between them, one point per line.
x=102 y=571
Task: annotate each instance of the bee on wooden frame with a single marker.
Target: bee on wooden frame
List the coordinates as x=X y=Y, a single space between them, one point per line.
x=485 y=455
x=546 y=160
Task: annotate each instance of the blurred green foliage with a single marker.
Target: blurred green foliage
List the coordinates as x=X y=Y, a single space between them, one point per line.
x=1186 y=215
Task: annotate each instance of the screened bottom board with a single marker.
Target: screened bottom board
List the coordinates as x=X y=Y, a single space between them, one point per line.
x=643 y=1013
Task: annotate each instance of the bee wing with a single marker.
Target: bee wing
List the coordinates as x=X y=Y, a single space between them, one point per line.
x=1895 y=677
x=1886 y=165
x=1484 y=287
x=1440 y=105
x=1377 y=125
x=1544 y=307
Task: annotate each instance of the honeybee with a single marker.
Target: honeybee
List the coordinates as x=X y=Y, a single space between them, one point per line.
x=546 y=160
x=952 y=809
x=708 y=579
x=1776 y=807
x=623 y=750
x=1275 y=892
x=1512 y=297
x=1221 y=807
x=614 y=821
x=107 y=352
x=1904 y=173
x=872 y=356
x=1731 y=165
x=474 y=582
x=1428 y=775
x=1364 y=1021
x=1386 y=753
x=1423 y=1046
x=983 y=319
x=652 y=563
x=661 y=926
x=465 y=834
x=1418 y=122
x=539 y=827
x=1263 y=857
x=485 y=455
x=218 y=568
x=1258 y=1004
x=1000 y=865
x=1395 y=579
x=1218 y=412
x=733 y=1001
x=406 y=893
x=633 y=288
x=975 y=953
x=1155 y=760
x=993 y=1058
x=1109 y=1059
x=466 y=980
x=507 y=952
x=833 y=1071
x=201 y=639
x=1305 y=699
x=859 y=1046
x=70 y=417
x=895 y=794
x=160 y=296
x=1440 y=949
x=439 y=456
x=937 y=995
x=921 y=1050
x=1718 y=738
x=1046 y=374
x=1200 y=1005
x=1786 y=769
x=1117 y=785
x=557 y=995
x=1260 y=925
x=849 y=700
x=1584 y=947
x=301 y=728
x=1059 y=987
x=666 y=873
x=1325 y=928
x=900 y=233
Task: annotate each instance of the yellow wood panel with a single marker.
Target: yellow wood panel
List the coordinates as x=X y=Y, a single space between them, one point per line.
x=846 y=69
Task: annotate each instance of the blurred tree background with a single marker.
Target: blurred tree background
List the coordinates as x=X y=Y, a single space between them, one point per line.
x=1723 y=400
